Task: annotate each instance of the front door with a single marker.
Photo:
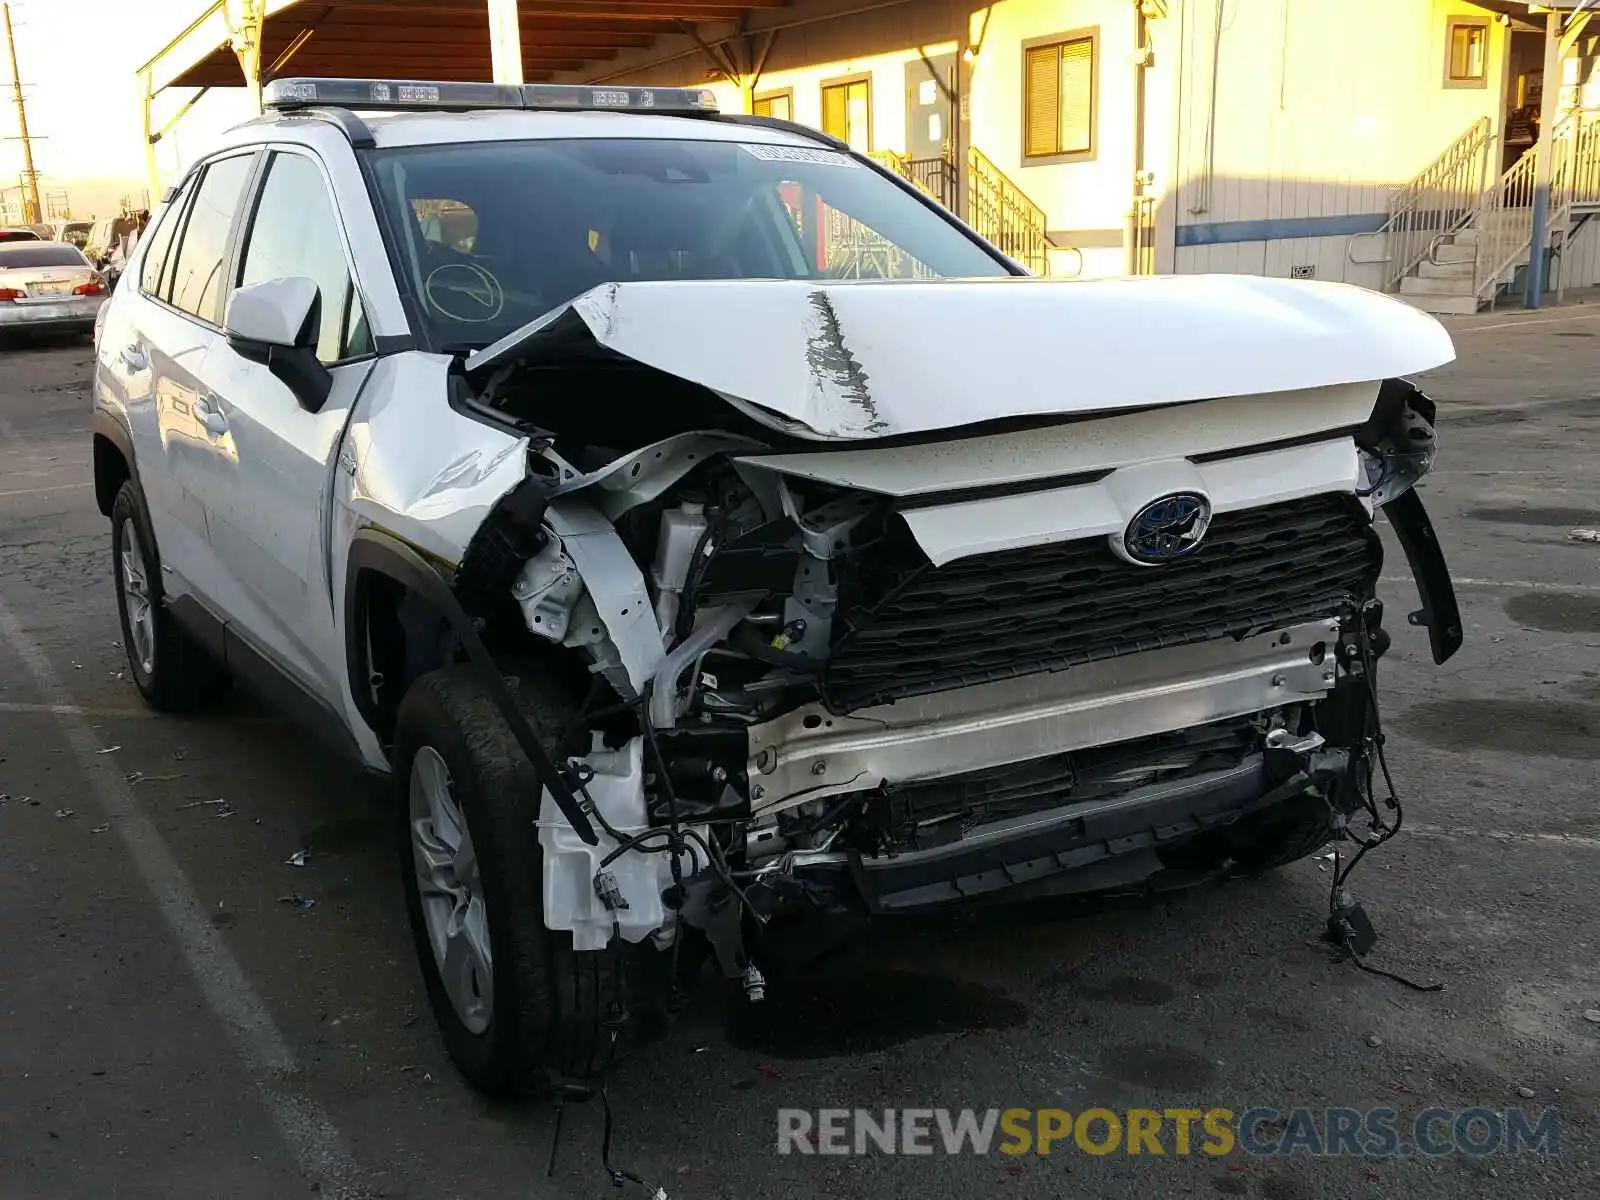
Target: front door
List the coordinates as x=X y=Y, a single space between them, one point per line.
x=930 y=106
x=930 y=124
x=269 y=519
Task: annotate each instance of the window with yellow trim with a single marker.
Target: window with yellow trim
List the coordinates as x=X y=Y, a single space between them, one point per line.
x=1059 y=97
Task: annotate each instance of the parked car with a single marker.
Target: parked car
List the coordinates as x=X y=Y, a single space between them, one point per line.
x=108 y=235
x=690 y=587
x=19 y=233
x=76 y=232
x=48 y=287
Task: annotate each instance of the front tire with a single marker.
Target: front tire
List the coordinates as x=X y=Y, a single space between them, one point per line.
x=513 y=1001
x=172 y=672
x=1284 y=833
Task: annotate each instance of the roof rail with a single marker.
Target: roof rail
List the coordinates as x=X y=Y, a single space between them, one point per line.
x=355 y=130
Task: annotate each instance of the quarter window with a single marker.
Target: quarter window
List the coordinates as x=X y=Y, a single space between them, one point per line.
x=1059 y=97
x=295 y=233
x=159 y=253
x=198 y=284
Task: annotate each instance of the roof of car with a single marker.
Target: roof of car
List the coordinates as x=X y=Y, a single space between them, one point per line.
x=390 y=129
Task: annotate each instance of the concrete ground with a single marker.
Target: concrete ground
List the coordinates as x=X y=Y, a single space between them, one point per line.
x=177 y=1025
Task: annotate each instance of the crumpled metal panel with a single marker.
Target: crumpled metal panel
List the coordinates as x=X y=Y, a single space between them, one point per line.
x=859 y=360
x=423 y=471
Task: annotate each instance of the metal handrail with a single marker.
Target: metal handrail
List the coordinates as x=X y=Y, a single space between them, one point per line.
x=1504 y=218
x=934 y=176
x=1584 y=187
x=892 y=161
x=1441 y=199
x=1002 y=213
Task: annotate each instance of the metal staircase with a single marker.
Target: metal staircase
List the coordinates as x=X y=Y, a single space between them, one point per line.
x=1448 y=256
x=1002 y=212
x=997 y=208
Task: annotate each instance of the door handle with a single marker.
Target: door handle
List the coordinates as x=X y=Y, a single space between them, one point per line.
x=211 y=416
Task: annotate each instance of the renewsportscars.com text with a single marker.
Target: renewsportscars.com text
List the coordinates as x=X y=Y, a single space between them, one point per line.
x=1328 y=1132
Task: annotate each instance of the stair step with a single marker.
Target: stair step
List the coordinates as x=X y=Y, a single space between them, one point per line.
x=1455 y=285
x=1443 y=305
x=1447 y=268
x=1445 y=252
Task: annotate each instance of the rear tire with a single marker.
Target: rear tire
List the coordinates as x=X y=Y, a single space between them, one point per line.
x=171 y=670
x=526 y=1004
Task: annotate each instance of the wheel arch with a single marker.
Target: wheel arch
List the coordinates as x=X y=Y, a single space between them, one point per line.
x=384 y=572
x=113 y=459
x=381 y=574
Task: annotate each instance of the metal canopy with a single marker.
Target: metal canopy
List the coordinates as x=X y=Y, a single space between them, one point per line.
x=450 y=39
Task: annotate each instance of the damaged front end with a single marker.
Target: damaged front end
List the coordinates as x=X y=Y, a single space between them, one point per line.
x=871 y=678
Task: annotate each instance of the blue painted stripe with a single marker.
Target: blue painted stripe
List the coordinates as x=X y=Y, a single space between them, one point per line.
x=1221 y=232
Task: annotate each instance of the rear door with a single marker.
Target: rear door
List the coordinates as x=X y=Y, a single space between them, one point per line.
x=268 y=508
x=155 y=347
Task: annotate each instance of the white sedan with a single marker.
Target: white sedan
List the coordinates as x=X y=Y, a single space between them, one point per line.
x=49 y=287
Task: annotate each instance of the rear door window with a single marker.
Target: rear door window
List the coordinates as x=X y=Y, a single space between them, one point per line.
x=199 y=280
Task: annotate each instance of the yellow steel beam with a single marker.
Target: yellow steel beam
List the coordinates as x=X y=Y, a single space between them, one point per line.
x=505 y=41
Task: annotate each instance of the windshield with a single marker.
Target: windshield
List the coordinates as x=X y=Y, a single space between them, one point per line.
x=494 y=234
x=18 y=255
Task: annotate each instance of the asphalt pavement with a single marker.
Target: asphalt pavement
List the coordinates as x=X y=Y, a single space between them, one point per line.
x=186 y=1013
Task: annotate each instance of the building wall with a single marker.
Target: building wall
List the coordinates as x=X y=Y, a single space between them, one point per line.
x=1085 y=202
x=1297 y=119
x=1276 y=130
x=1090 y=197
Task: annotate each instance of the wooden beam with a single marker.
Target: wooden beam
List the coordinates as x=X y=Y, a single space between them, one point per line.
x=326 y=46
x=610 y=9
x=346 y=35
x=413 y=66
x=474 y=23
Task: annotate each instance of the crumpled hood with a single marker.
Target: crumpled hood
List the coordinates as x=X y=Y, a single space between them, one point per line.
x=841 y=360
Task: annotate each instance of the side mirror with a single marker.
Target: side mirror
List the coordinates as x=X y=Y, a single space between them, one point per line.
x=275 y=323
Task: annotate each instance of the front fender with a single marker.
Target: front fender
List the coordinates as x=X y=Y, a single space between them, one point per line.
x=374 y=553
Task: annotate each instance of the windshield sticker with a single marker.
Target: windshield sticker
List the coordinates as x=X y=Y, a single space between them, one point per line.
x=805 y=154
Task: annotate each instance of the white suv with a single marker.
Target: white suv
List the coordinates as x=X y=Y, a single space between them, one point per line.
x=709 y=532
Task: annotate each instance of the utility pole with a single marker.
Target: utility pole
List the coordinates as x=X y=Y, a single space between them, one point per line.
x=31 y=211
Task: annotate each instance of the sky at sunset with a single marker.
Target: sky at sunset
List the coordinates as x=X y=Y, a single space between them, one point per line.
x=78 y=59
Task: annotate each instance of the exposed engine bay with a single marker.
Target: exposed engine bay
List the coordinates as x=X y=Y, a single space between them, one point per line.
x=815 y=688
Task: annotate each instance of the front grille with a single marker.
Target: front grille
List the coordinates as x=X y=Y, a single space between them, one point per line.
x=935 y=811
x=907 y=628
